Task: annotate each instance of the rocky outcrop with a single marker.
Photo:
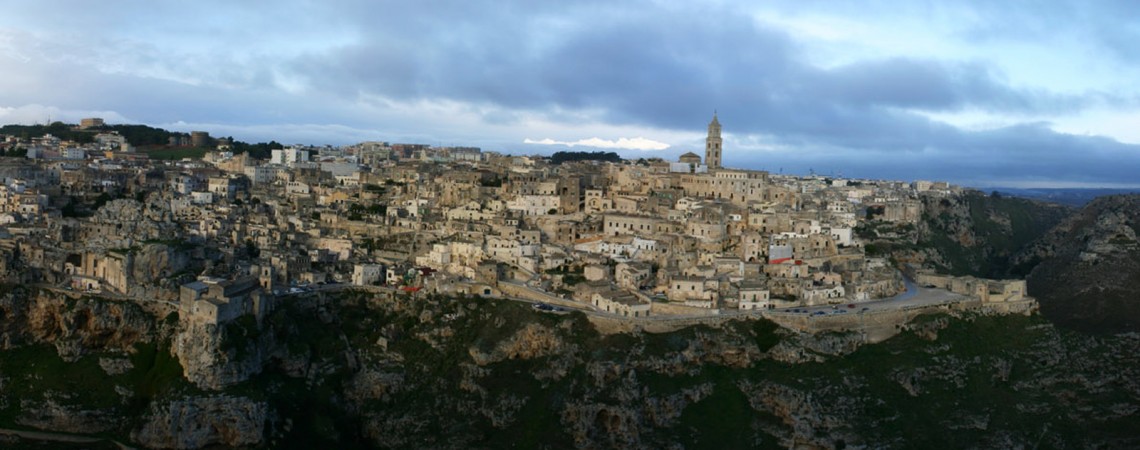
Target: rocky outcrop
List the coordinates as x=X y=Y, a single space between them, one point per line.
x=980 y=235
x=417 y=374
x=815 y=347
x=1089 y=271
x=74 y=326
x=532 y=341
x=126 y=221
x=216 y=356
x=600 y=425
x=201 y=422
x=151 y=270
x=54 y=413
x=805 y=425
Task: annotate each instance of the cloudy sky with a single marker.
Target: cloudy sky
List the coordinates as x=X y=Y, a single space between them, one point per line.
x=1019 y=93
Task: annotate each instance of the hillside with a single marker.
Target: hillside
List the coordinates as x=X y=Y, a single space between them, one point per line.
x=978 y=234
x=138 y=135
x=968 y=234
x=1089 y=271
x=1075 y=197
x=356 y=371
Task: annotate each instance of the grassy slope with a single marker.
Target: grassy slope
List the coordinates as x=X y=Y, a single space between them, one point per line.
x=999 y=226
x=862 y=393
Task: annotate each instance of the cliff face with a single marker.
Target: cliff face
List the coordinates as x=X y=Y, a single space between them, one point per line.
x=214 y=357
x=132 y=220
x=201 y=422
x=446 y=373
x=1089 y=272
x=980 y=235
x=152 y=270
x=353 y=370
x=74 y=326
x=91 y=365
x=1083 y=266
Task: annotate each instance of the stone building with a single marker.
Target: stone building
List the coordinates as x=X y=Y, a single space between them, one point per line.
x=213 y=301
x=713 y=144
x=367 y=274
x=621 y=303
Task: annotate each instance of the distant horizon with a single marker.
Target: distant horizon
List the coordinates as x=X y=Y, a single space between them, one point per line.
x=966 y=92
x=667 y=154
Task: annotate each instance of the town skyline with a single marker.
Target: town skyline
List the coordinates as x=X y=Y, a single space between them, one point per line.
x=145 y=269
x=975 y=94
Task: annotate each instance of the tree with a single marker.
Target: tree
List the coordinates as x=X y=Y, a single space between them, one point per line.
x=251 y=249
x=561 y=157
x=260 y=150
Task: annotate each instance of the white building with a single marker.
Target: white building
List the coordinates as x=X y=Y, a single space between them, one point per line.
x=261 y=174
x=366 y=274
x=288 y=156
x=534 y=205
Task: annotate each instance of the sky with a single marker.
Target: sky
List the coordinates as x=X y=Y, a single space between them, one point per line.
x=1013 y=93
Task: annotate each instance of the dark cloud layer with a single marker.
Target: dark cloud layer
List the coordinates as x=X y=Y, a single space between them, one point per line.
x=644 y=65
x=670 y=69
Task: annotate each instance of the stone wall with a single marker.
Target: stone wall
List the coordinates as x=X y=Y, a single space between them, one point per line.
x=525 y=292
x=876 y=325
x=673 y=309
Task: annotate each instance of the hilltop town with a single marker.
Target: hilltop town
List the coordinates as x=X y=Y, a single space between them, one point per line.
x=177 y=290
x=229 y=234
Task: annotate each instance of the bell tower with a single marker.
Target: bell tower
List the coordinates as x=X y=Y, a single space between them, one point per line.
x=713 y=144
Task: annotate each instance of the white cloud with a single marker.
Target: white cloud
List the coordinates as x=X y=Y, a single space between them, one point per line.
x=637 y=143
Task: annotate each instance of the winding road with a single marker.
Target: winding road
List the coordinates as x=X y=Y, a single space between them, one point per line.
x=61 y=437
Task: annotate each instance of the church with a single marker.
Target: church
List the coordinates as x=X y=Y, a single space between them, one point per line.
x=691 y=162
x=713 y=144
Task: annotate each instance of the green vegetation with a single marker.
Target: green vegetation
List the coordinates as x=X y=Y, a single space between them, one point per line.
x=154 y=141
x=260 y=150
x=437 y=371
x=57 y=129
x=971 y=234
x=137 y=135
x=491 y=182
x=481 y=325
x=156 y=374
x=36 y=372
x=14 y=152
x=561 y=157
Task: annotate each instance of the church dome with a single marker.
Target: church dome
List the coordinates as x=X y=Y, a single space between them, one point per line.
x=690 y=158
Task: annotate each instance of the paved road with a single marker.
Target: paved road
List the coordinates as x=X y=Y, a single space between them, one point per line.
x=74 y=293
x=914 y=297
x=60 y=437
